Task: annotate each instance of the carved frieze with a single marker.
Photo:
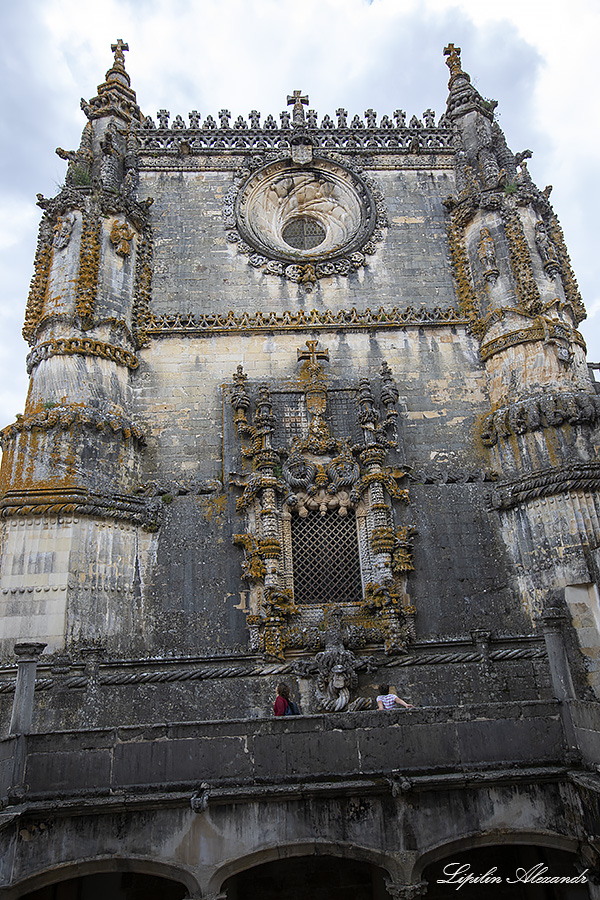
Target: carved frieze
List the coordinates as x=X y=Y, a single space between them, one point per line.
x=546 y=483
x=542 y=328
x=315 y=320
x=81 y=346
x=549 y=410
x=67 y=416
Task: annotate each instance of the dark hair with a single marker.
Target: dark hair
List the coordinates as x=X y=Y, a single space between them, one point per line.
x=384 y=688
x=283 y=690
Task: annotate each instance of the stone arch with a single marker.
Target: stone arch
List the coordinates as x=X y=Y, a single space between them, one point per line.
x=475 y=840
x=274 y=852
x=101 y=866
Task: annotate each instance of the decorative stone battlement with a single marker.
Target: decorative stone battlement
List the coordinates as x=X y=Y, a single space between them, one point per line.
x=392 y=133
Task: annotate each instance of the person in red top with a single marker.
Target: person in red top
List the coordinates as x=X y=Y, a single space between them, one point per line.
x=283 y=698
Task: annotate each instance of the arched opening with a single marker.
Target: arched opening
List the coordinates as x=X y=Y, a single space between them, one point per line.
x=317 y=877
x=113 y=885
x=506 y=872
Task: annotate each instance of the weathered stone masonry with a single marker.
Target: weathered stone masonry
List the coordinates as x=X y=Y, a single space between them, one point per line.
x=308 y=402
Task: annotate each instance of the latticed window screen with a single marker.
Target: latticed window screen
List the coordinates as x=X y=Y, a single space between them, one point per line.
x=325 y=558
x=303 y=233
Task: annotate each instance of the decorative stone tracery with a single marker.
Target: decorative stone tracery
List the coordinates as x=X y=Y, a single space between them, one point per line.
x=339 y=207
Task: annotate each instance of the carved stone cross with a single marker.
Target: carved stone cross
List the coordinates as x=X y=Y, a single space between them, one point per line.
x=163 y=118
x=118 y=49
x=315 y=390
x=453 y=61
x=312 y=353
x=341 y=115
x=298 y=99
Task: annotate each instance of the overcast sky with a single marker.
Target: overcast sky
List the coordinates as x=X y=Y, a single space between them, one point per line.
x=540 y=60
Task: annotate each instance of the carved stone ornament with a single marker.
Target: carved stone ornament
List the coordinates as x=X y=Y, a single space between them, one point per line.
x=339 y=490
x=121 y=236
x=62 y=231
x=304 y=218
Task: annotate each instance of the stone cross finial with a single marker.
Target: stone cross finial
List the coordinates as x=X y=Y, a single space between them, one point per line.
x=453 y=61
x=254 y=117
x=117 y=71
x=429 y=117
x=118 y=50
x=400 y=117
x=163 y=118
x=299 y=100
x=224 y=116
x=194 y=119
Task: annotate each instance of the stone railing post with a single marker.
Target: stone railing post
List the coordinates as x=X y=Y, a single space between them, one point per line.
x=28 y=654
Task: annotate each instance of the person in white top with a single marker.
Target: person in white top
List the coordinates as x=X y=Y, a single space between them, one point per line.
x=385 y=700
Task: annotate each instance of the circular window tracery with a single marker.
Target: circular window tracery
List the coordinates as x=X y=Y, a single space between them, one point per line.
x=305 y=222
x=303 y=233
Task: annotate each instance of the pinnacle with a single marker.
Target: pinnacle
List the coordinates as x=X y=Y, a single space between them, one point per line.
x=463 y=97
x=117 y=71
x=115 y=95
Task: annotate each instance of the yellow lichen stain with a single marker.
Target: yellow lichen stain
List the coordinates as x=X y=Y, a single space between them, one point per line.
x=213 y=508
x=551 y=438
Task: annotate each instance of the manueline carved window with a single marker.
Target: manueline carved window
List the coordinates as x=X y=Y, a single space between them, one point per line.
x=320 y=538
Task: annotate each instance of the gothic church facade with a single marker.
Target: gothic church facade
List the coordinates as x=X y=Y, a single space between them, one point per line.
x=308 y=403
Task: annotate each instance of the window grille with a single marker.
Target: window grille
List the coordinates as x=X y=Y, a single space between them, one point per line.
x=303 y=233
x=325 y=558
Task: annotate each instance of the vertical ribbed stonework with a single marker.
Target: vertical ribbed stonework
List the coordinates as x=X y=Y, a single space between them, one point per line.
x=39 y=282
x=89 y=265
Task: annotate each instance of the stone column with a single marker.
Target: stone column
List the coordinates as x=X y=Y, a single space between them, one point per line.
x=22 y=712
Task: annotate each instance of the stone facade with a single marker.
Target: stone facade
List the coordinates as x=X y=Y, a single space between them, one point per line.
x=308 y=402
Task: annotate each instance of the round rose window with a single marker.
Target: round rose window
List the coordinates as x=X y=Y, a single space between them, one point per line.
x=300 y=214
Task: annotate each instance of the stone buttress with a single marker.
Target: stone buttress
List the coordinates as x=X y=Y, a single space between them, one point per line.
x=75 y=451
x=516 y=286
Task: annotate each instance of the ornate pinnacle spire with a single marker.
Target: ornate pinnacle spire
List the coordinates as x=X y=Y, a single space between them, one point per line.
x=463 y=97
x=115 y=96
x=453 y=63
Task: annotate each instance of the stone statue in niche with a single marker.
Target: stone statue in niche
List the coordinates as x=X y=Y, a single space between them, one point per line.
x=121 y=236
x=62 y=232
x=487 y=256
x=547 y=250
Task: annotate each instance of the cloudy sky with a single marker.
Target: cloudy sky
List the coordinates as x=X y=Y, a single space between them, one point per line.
x=538 y=59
